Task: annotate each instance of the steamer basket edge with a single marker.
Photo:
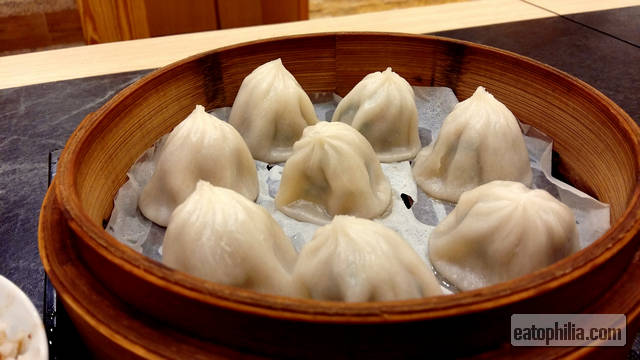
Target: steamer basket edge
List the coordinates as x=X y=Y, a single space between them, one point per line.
x=112 y=329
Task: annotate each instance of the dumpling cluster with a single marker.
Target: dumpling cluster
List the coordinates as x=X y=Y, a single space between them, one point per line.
x=270 y=111
x=199 y=148
x=333 y=171
x=219 y=235
x=354 y=259
x=499 y=231
x=382 y=107
x=479 y=141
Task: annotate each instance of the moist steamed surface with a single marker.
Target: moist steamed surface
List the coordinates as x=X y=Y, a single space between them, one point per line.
x=382 y=107
x=479 y=141
x=353 y=259
x=200 y=147
x=333 y=170
x=270 y=111
x=500 y=231
x=219 y=235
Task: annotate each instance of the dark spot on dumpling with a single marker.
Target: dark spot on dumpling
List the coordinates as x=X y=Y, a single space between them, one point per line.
x=407 y=200
x=270 y=166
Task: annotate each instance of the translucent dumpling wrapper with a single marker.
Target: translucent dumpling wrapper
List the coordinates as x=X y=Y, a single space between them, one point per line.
x=219 y=235
x=480 y=141
x=382 y=107
x=333 y=171
x=500 y=231
x=200 y=147
x=355 y=260
x=270 y=111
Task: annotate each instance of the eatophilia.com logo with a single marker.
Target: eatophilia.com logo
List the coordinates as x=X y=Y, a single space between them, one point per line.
x=568 y=330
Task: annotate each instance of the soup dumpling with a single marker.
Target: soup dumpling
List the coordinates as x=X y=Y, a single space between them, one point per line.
x=333 y=171
x=200 y=147
x=382 y=107
x=480 y=141
x=219 y=235
x=500 y=231
x=270 y=111
x=354 y=259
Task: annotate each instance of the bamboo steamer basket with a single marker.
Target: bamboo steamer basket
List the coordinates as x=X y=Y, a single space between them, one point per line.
x=597 y=150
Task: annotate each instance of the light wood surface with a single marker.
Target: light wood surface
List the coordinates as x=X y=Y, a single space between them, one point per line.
x=597 y=150
x=78 y=62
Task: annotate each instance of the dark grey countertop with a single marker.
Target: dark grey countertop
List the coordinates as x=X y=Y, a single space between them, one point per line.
x=35 y=120
x=600 y=48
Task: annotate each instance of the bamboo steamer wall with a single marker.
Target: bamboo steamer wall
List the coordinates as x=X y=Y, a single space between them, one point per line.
x=595 y=140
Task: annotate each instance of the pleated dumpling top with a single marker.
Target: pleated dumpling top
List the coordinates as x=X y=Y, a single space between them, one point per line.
x=270 y=111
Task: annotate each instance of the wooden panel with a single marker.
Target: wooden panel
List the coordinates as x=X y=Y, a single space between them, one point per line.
x=254 y=12
x=64 y=26
x=174 y=17
x=23 y=32
x=274 y=11
x=106 y=21
x=133 y=18
x=239 y=13
x=37 y=30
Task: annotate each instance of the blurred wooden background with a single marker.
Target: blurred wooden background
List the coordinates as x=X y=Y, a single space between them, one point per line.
x=30 y=25
x=105 y=21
